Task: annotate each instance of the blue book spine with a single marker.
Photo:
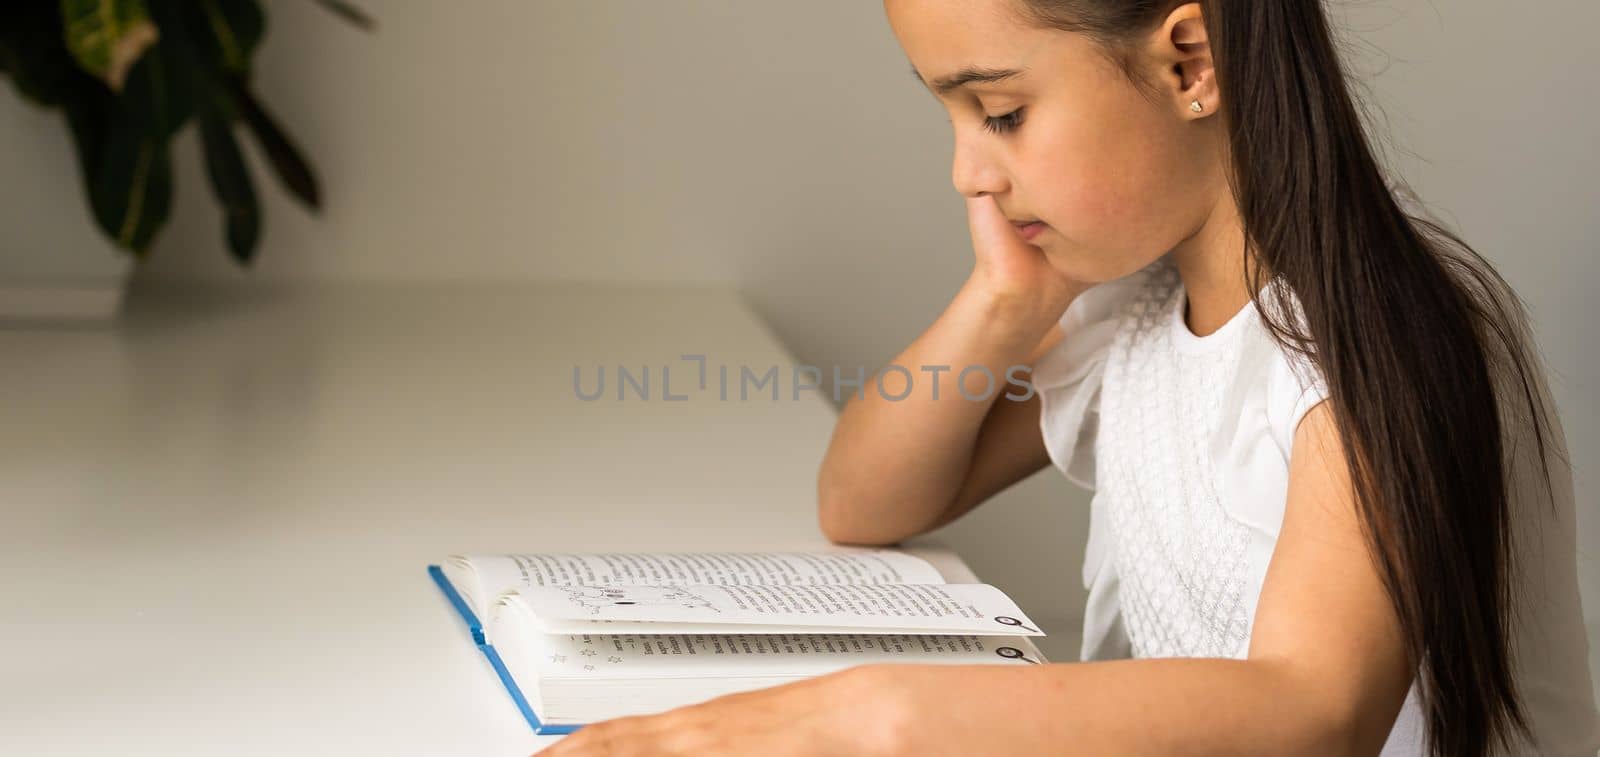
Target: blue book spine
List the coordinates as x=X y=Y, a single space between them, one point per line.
x=475 y=626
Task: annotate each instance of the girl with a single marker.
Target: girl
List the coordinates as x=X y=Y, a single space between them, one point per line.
x=1332 y=511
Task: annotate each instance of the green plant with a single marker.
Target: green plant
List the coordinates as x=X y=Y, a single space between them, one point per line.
x=128 y=74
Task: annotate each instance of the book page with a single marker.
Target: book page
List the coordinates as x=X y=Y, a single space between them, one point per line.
x=501 y=573
x=901 y=608
x=739 y=655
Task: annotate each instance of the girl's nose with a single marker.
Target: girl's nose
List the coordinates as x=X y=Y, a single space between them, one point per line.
x=973 y=173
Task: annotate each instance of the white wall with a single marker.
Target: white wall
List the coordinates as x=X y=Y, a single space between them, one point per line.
x=783 y=147
x=48 y=236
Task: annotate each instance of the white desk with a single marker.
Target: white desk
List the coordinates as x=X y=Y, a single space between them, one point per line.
x=217 y=515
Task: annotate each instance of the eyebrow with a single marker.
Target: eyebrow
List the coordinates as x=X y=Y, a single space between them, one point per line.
x=968 y=75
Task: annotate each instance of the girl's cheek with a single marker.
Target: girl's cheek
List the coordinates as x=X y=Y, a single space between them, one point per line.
x=1111 y=223
x=1096 y=203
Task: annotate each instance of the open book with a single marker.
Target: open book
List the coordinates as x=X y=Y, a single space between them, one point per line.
x=580 y=638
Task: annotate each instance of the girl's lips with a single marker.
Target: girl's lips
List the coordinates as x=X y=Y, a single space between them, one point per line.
x=1031 y=230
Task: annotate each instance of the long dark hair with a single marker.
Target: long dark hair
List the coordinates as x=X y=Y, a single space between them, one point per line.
x=1408 y=325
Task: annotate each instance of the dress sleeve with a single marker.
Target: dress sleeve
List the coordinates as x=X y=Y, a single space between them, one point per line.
x=1068 y=378
x=1310 y=396
x=1296 y=387
x=1295 y=383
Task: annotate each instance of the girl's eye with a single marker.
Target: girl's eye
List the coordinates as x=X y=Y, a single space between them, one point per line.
x=1003 y=124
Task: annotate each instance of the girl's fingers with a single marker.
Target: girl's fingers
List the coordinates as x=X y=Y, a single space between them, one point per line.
x=992 y=232
x=1006 y=264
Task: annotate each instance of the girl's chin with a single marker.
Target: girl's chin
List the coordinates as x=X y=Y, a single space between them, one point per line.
x=1090 y=265
x=1079 y=265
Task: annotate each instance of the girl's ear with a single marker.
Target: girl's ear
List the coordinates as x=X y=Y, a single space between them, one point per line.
x=1180 y=48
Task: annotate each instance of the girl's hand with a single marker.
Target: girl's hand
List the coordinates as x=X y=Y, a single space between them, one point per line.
x=861 y=710
x=1013 y=272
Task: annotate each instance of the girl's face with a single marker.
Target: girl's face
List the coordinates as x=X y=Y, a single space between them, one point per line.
x=1119 y=177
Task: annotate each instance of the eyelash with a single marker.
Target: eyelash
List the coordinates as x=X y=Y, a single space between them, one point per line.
x=1003 y=124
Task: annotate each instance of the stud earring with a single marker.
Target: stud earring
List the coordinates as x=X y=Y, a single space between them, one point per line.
x=1195 y=106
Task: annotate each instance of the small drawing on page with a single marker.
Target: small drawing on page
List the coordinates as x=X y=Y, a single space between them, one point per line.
x=592 y=598
x=1012 y=653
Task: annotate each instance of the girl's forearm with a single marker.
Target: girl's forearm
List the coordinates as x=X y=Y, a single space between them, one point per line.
x=1149 y=706
x=894 y=465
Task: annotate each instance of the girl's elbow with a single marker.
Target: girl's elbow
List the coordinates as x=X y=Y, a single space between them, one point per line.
x=838 y=530
x=830 y=517
x=840 y=526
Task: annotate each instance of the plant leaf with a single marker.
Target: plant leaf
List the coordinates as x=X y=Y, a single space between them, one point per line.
x=161 y=92
x=33 y=52
x=282 y=155
x=132 y=190
x=230 y=182
x=107 y=37
x=349 y=13
x=225 y=33
x=88 y=116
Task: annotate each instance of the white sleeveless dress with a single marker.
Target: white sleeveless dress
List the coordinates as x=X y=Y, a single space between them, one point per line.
x=1186 y=440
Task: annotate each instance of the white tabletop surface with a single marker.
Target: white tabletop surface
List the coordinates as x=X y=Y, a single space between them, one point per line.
x=218 y=513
